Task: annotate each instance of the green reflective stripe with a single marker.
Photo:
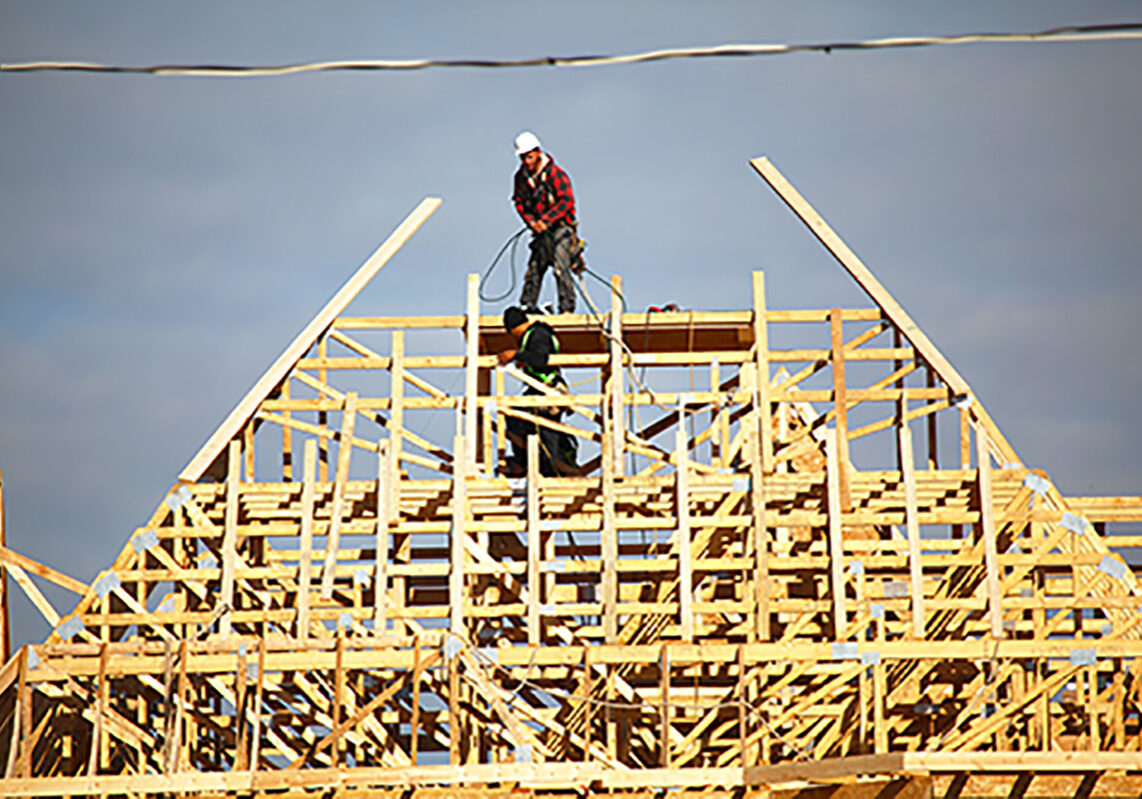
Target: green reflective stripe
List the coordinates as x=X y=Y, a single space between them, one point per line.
x=527 y=333
x=548 y=376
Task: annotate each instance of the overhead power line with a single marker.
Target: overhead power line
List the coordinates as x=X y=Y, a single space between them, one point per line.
x=1078 y=33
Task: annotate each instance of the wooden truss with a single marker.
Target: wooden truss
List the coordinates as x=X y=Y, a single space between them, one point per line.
x=798 y=557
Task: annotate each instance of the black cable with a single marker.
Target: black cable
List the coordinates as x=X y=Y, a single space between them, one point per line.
x=513 y=243
x=1076 y=33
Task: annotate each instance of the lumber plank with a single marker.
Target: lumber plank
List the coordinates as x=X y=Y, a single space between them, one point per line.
x=273 y=376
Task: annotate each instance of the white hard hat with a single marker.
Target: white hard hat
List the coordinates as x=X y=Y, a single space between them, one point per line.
x=526 y=142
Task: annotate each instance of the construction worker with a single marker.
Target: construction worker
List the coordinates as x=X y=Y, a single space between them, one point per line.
x=536 y=344
x=544 y=200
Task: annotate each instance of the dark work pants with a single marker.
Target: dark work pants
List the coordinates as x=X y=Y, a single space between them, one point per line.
x=553 y=248
x=548 y=443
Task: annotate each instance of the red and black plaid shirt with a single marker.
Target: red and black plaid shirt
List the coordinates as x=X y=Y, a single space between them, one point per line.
x=546 y=196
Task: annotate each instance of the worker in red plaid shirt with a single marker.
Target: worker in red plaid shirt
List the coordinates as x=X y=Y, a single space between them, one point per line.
x=545 y=202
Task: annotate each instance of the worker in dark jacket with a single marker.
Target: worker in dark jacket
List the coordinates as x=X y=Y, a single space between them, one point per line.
x=544 y=200
x=536 y=344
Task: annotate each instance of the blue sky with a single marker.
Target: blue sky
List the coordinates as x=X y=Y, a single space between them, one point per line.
x=162 y=239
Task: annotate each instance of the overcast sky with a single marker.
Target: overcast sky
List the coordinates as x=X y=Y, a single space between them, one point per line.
x=162 y=239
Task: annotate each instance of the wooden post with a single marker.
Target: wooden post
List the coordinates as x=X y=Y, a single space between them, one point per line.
x=933 y=430
x=762 y=591
x=717 y=414
x=241 y=731
x=840 y=401
x=664 y=712
x=337 y=510
x=27 y=710
x=609 y=548
x=96 y=756
x=501 y=423
x=305 y=553
x=230 y=535
x=836 y=538
x=743 y=711
x=287 y=437
x=987 y=530
x=381 y=547
x=472 y=325
x=401 y=544
x=911 y=516
x=761 y=393
x=414 y=722
x=459 y=518
x=176 y=761
x=610 y=712
x=455 y=751
x=15 y=736
x=486 y=444
x=322 y=416
x=588 y=701
x=534 y=636
x=879 y=695
x=248 y=451
x=256 y=742
x=338 y=697
x=618 y=440
x=682 y=503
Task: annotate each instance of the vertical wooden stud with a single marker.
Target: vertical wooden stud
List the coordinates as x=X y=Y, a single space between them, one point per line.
x=761 y=393
x=381 y=547
x=414 y=722
x=230 y=535
x=338 y=698
x=459 y=519
x=911 y=518
x=454 y=735
x=664 y=706
x=610 y=548
x=96 y=756
x=27 y=711
x=933 y=429
x=836 y=537
x=401 y=549
x=987 y=530
x=472 y=324
x=337 y=506
x=841 y=403
x=533 y=542
x=743 y=711
x=588 y=701
x=760 y=584
x=305 y=553
x=879 y=695
x=618 y=440
x=241 y=731
x=682 y=503
x=322 y=416
x=287 y=437
x=248 y=451
x=256 y=741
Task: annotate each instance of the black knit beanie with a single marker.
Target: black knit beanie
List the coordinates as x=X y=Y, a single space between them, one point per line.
x=513 y=318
